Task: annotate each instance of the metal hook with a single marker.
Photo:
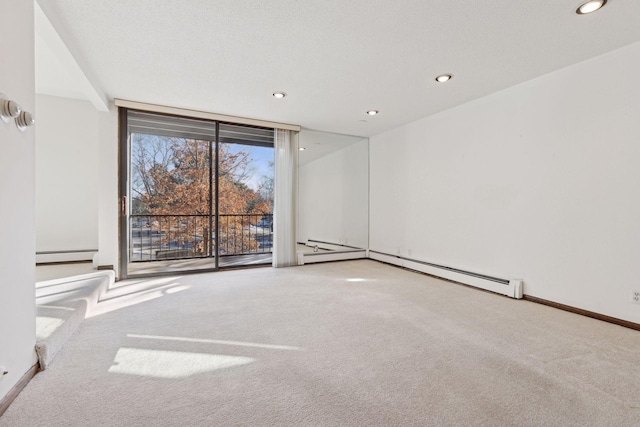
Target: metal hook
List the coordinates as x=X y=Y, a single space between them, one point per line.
x=8 y=109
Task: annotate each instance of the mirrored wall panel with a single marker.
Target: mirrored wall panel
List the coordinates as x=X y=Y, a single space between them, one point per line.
x=333 y=199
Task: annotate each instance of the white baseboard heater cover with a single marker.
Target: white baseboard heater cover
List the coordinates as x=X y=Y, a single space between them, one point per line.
x=510 y=287
x=330 y=246
x=44 y=257
x=312 y=258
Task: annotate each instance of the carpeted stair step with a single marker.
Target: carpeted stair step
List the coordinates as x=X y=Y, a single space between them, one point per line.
x=61 y=305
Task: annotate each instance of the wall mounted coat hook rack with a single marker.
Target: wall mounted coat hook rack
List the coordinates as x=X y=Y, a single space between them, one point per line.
x=24 y=120
x=8 y=109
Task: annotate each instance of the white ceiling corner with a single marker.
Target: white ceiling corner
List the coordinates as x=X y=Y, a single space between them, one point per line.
x=57 y=71
x=335 y=59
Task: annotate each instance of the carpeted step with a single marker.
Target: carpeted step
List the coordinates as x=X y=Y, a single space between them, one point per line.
x=62 y=304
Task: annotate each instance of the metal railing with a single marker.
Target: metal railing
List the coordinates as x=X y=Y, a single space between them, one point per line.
x=164 y=237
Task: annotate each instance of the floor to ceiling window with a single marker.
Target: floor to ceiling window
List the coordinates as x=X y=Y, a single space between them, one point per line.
x=196 y=194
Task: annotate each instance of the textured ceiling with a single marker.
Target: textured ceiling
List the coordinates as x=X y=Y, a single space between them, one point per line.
x=335 y=59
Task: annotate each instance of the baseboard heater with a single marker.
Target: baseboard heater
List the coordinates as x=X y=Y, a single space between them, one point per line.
x=509 y=287
x=330 y=246
x=45 y=257
x=338 y=252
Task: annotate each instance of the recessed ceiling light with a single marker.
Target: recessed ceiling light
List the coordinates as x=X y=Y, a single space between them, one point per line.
x=444 y=78
x=372 y=112
x=279 y=95
x=590 y=6
x=301 y=148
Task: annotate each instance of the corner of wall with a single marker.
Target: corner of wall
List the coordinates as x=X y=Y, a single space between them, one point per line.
x=108 y=188
x=17 y=200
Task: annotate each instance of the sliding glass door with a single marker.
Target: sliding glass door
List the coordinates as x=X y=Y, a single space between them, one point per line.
x=196 y=195
x=245 y=188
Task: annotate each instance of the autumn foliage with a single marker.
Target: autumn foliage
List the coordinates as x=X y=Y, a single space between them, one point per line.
x=173 y=186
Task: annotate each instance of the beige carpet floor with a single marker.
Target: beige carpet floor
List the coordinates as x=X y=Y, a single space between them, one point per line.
x=340 y=344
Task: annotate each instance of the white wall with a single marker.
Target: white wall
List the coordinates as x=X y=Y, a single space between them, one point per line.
x=108 y=189
x=333 y=194
x=17 y=187
x=540 y=182
x=67 y=139
x=77 y=178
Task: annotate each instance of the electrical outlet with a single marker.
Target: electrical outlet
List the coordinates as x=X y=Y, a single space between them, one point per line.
x=635 y=296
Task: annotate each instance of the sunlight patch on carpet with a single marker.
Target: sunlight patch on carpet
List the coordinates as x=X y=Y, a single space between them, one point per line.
x=128 y=296
x=171 y=364
x=177 y=289
x=56 y=307
x=222 y=342
x=111 y=305
x=45 y=326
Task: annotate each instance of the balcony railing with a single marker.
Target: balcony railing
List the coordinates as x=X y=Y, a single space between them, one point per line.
x=163 y=237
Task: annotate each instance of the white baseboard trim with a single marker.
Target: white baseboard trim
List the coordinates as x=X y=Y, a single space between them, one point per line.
x=330 y=246
x=45 y=257
x=312 y=258
x=510 y=287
